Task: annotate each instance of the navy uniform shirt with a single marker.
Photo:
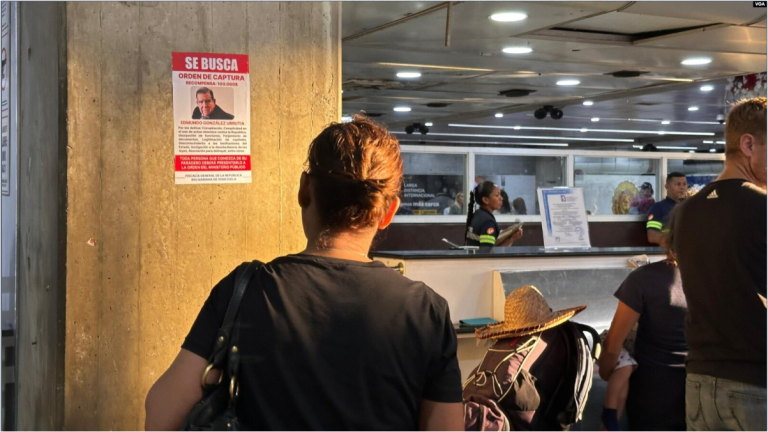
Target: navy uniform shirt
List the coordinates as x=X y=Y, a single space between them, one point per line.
x=658 y=216
x=483 y=229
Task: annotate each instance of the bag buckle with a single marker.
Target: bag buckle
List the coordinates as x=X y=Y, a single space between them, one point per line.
x=208 y=370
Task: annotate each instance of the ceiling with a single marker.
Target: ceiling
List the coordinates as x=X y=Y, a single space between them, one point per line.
x=463 y=69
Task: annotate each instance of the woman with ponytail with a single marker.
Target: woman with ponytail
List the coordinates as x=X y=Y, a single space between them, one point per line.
x=482 y=229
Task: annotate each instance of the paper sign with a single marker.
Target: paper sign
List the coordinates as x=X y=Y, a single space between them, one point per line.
x=212 y=118
x=564 y=218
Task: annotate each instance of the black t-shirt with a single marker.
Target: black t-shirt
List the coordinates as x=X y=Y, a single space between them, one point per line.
x=720 y=242
x=482 y=226
x=332 y=344
x=656 y=293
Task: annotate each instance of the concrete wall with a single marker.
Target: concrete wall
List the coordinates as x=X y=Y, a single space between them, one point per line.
x=42 y=143
x=159 y=248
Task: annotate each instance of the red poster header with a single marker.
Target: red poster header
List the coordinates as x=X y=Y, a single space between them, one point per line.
x=209 y=62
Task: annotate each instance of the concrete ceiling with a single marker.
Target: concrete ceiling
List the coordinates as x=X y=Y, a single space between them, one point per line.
x=585 y=41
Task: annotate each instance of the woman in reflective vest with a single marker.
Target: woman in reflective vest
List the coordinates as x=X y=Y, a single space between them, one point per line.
x=482 y=229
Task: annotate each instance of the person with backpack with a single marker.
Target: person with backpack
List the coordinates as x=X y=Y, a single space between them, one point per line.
x=653 y=383
x=538 y=372
x=327 y=338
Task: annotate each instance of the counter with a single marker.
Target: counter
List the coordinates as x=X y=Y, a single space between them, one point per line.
x=475 y=283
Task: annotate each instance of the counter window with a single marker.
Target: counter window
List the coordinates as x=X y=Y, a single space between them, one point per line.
x=617 y=186
x=697 y=172
x=433 y=184
x=519 y=177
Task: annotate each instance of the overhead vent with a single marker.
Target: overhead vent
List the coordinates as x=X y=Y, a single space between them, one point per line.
x=516 y=92
x=649 y=103
x=437 y=104
x=627 y=74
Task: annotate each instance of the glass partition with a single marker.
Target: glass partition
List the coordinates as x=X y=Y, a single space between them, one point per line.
x=697 y=172
x=519 y=177
x=433 y=184
x=617 y=185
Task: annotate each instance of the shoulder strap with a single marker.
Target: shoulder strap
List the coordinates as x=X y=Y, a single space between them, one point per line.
x=243 y=274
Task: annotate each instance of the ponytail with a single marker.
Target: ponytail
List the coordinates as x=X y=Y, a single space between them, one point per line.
x=470 y=213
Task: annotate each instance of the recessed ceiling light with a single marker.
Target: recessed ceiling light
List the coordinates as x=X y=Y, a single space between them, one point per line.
x=719 y=142
x=712 y=150
x=661 y=132
x=403 y=109
x=342 y=91
x=588 y=103
x=428 y=124
x=508 y=17
x=346 y=119
x=499 y=115
x=583 y=130
x=408 y=74
x=595 y=119
x=517 y=50
x=708 y=142
x=568 y=82
x=697 y=61
x=637 y=146
x=691 y=151
x=517 y=128
x=665 y=122
x=707 y=88
x=693 y=108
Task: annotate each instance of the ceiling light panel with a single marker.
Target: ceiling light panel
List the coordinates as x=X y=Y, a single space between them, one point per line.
x=696 y=61
x=517 y=50
x=568 y=82
x=408 y=74
x=508 y=17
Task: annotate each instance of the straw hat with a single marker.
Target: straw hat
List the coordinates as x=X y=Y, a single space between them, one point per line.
x=526 y=312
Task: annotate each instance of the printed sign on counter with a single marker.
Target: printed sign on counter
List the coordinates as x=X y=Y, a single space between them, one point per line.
x=564 y=218
x=212 y=118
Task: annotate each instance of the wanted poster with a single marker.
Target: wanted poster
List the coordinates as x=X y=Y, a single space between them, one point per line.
x=212 y=118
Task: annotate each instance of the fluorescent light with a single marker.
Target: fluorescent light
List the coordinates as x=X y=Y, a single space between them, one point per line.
x=549 y=128
x=402 y=109
x=408 y=74
x=665 y=122
x=719 y=142
x=712 y=150
x=498 y=115
x=697 y=61
x=588 y=103
x=346 y=119
x=637 y=147
x=428 y=124
x=534 y=137
x=570 y=82
x=517 y=50
x=693 y=108
x=579 y=130
x=674 y=148
x=691 y=151
x=709 y=142
x=484 y=142
x=661 y=132
x=423 y=66
x=595 y=119
x=707 y=88
x=508 y=17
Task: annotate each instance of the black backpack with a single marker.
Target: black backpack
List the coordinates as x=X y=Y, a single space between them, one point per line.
x=534 y=382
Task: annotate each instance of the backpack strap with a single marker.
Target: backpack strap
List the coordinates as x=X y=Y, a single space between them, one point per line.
x=597 y=345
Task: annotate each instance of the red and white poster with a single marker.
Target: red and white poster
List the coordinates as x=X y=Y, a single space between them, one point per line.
x=212 y=118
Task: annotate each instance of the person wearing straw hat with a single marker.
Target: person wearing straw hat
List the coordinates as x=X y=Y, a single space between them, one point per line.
x=522 y=379
x=526 y=312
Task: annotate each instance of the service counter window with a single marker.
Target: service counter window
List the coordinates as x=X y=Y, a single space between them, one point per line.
x=617 y=185
x=433 y=184
x=519 y=177
x=698 y=173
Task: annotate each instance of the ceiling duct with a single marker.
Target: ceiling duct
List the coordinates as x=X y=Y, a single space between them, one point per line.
x=437 y=104
x=516 y=92
x=626 y=74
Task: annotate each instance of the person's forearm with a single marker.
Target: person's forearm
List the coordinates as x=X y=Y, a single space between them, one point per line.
x=655 y=237
x=607 y=362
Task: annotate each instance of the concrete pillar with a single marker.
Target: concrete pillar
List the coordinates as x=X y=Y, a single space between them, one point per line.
x=157 y=250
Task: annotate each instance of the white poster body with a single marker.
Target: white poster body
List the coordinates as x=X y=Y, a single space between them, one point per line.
x=564 y=218
x=5 y=139
x=212 y=118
